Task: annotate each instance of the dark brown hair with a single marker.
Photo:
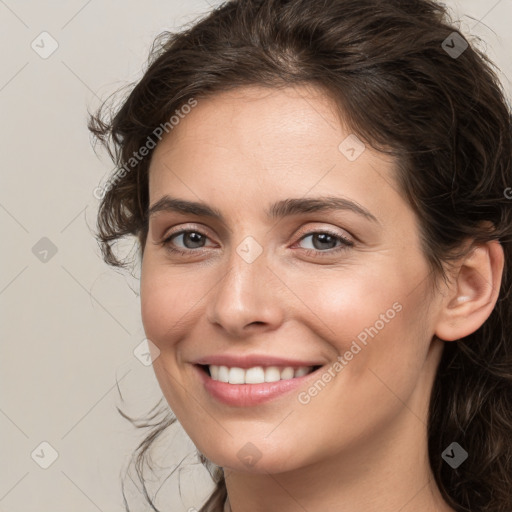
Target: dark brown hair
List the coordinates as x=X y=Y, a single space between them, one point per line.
x=392 y=68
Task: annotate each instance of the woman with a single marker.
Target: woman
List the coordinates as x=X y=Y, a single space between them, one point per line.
x=319 y=193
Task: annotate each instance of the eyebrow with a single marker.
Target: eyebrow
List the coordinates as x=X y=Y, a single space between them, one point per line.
x=278 y=210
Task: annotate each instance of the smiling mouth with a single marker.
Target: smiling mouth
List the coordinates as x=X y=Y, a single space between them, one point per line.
x=256 y=374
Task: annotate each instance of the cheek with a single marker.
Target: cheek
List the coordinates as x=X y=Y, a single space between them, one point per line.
x=168 y=301
x=156 y=307
x=373 y=322
x=382 y=336
x=350 y=303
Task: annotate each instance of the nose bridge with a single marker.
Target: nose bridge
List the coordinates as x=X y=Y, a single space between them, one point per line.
x=245 y=294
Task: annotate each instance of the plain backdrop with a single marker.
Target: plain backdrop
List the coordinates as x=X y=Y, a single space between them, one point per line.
x=69 y=323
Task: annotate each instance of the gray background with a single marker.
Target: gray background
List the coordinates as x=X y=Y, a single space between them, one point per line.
x=69 y=323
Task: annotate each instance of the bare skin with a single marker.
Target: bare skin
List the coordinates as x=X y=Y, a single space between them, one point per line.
x=360 y=444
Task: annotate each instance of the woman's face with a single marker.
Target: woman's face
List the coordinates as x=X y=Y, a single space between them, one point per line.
x=276 y=276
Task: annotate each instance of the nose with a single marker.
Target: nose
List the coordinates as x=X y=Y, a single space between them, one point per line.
x=246 y=298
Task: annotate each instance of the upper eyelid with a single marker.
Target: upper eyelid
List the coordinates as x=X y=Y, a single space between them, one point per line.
x=200 y=227
x=331 y=231
x=184 y=229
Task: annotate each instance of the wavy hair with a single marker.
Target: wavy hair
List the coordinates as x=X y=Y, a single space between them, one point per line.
x=407 y=86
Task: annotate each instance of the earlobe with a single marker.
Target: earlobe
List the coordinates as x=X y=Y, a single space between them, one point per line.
x=473 y=293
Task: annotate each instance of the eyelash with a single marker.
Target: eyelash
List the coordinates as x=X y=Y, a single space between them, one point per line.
x=345 y=243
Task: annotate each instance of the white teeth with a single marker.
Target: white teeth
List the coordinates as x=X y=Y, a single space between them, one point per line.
x=256 y=374
x=272 y=374
x=287 y=373
x=214 y=370
x=299 y=372
x=223 y=374
x=236 y=376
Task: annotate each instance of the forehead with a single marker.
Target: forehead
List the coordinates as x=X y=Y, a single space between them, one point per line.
x=254 y=142
x=285 y=124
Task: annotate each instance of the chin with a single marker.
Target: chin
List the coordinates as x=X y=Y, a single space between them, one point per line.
x=252 y=457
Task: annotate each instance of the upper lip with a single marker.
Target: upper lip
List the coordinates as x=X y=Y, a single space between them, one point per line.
x=251 y=360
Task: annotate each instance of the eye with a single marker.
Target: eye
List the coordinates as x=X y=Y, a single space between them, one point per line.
x=325 y=242
x=191 y=240
x=187 y=242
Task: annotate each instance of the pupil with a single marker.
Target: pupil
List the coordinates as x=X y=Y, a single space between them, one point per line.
x=323 y=239
x=194 y=237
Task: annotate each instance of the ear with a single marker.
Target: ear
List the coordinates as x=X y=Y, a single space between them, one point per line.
x=473 y=293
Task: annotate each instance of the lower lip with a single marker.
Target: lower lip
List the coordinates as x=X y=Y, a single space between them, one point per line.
x=246 y=395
